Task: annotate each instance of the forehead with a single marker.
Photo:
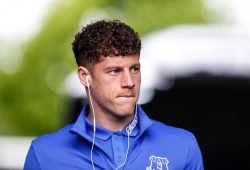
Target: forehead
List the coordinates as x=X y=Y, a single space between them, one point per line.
x=119 y=61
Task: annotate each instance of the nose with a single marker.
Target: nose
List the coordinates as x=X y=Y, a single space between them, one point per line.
x=127 y=80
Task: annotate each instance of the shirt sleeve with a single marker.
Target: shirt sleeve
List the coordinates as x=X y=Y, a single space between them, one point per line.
x=31 y=162
x=194 y=159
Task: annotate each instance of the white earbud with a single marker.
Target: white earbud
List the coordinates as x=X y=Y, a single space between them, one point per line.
x=87 y=80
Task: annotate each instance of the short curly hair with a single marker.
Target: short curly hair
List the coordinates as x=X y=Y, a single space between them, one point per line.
x=104 y=38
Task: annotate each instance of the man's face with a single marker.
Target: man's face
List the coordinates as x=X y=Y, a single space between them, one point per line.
x=115 y=85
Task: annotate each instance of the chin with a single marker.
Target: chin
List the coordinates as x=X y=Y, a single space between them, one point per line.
x=126 y=109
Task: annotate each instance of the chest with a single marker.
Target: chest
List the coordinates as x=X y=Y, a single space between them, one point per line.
x=137 y=154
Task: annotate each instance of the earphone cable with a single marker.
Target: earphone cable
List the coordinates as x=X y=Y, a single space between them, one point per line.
x=94 y=129
x=94 y=133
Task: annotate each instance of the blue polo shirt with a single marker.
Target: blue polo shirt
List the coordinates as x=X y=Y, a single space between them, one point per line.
x=152 y=145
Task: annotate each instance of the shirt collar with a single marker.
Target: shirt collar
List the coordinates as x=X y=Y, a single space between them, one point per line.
x=101 y=132
x=136 y=127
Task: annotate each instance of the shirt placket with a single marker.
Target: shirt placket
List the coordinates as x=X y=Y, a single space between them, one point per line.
x=118 y=148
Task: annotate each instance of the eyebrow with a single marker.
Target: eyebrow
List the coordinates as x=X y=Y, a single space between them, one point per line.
x=111 y=67
x=136 y=65
x=119 y=66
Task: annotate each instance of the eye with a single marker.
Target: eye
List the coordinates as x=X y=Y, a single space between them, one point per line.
x=114 y=72
x=135 y=69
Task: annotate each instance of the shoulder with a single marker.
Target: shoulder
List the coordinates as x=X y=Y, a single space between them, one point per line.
x=163 y=131
x=158 y=130
x=51 y=139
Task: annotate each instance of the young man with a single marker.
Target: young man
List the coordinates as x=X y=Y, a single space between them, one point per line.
x=112 y=131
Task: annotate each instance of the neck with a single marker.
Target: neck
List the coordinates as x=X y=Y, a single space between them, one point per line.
x=110 y=122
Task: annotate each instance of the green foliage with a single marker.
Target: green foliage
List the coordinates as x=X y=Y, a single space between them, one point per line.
x=146 y=16
x=30 y=103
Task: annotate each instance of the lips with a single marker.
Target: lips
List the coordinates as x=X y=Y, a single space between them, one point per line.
x=126 y=95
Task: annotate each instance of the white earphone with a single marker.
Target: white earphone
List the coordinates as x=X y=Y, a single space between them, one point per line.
x=87 y=80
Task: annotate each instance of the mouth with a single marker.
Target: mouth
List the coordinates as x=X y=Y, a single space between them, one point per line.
x=126 y=97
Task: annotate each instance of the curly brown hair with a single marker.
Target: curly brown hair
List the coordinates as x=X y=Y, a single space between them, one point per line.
x=104 y=38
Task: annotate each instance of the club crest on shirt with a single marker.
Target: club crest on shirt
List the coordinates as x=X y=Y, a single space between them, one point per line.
x=157 y=163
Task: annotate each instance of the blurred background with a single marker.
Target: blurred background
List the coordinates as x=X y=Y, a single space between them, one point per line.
x=195 y=70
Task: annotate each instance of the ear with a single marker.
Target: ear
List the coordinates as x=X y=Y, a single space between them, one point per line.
x=83 y=75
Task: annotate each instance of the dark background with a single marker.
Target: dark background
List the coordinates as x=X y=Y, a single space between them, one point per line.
x=214 y=108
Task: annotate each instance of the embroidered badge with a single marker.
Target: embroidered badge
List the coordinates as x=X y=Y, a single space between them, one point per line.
x=158 y=163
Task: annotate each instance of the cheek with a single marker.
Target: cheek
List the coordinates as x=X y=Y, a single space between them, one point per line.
x=137 y=80
x=107 y=88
